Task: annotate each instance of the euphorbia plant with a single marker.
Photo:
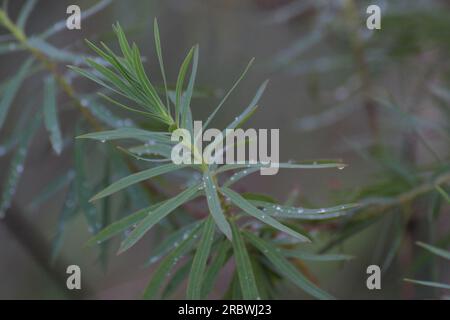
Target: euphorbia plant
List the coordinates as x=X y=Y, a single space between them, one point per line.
x=258 y=248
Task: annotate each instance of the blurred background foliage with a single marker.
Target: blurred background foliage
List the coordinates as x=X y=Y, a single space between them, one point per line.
x=379 y=100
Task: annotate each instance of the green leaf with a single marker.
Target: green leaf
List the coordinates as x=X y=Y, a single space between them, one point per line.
x=275 y=256
x=443 y=193
x=198 y=268
x=302 y=255
x=171 y=242
x=103 y=114
x=152 y=94
x=244 y=266
x=263 y=277
x=186 y=113
x=127 y=133
x=106 y=210
x=239 y=175
x=435 y=250
x=130 y=220
x=244 y=116
x=281 y=211
x=68 y=212
x=160 y=58
x=25 y=13
x=156 y=215
x=429 y=284
x=180 y=84
x=52 y=187
x=211 y=116
x=246 y=206
x=20 y=127
x=11 y=89
x=152 y=149
x=123 y=42
x=56 y=53
x=136 y=178
x=214 y=205
x=51 y=116
x=238 y=121
x=167 y=264
x=90 y=212
x=253 y=197
x=215 y=267
x=303 y=165
x=121 y=225
x=10 y=47
x=16 y=166
x=180 y=275
x=234 y=291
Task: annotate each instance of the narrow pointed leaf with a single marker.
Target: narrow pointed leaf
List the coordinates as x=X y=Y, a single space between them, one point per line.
x=155 y=216
x=90 y=212
x=186 y=112
x=302 y=255
x=214 y=205
x=127 y=133
x=56 y=53
x=198 y=268
x=244 y=116
x=305 y=165
x=103 y=114
x=171 y=242
x=11 y=90
x=165 y=267
x=209 y=119
x=68 y=212
x=238 y=121
x=25 y=13
x=435 y=250
x=175 y=282
x=274 y=255
x=443 y=193
x=239 y=175
x=180 y=84
x=160 y=58
x=282 y=211
x=215 y=267
x=429 y=284
x=52 y=188
x=246 y=206
x=16 y=167
x=244 y=266
x=121 y=225
x=136 y=178
x=51 y=115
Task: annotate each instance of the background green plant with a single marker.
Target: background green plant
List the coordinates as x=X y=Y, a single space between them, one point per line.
x=402 y=201
x=407 y=191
